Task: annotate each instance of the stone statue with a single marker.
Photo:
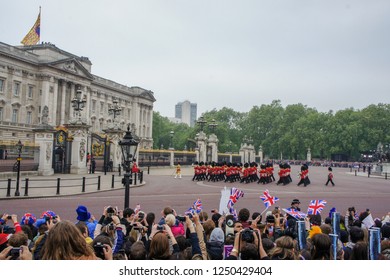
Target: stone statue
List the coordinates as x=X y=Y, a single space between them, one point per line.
x=45 y=115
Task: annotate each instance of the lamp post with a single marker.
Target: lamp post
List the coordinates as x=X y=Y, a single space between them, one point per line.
x=114 y=109
x=129 y=146
x=171 y=143
x=19 y=147
x=78 y=104
x=212 y=126
x=201 y=121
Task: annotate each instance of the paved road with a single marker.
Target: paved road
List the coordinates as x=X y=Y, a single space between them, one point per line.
x=161 y=189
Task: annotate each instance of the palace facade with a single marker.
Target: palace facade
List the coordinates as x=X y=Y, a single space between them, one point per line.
x=32 y=77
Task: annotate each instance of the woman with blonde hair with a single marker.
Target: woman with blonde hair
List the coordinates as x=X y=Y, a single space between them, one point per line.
x=65 y=242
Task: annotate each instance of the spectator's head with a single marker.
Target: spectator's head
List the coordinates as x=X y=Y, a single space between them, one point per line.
x=182 y=242
x=343 y=236
x=217 y=235
x=138 y=251
x=159 y=247
x=359 y=251
x=321 y=247
x=82 y=213
x=128 y=212
x=243 y=215
x=28 y=219
x=215 y=217
x=167 y=210
x=98 y=242
x=150 y=217
x=356 y=234
x=65 y=242
x=82 y=227
x=249 y=252
x=170 y=220
x=316 y=220
x=203 y=216
x=385 y=230
x=284 y=249
x=18 y=239
x=268 y=244
x=237 y=227
x=327 y=229
x=208 y=227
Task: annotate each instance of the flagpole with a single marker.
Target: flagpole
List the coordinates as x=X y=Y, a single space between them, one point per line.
x=40 y=22
x=264 y=211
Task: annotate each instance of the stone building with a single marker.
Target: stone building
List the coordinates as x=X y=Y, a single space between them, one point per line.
x=32 y=77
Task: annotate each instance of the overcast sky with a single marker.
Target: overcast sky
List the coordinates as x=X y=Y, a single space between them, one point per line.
x=329 y=55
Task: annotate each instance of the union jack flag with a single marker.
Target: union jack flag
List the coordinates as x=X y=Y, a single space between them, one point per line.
x=235 y=194
x=197 y=207
x=295 y=213
x=268 y=199
x=233 y=212
x=316 y=206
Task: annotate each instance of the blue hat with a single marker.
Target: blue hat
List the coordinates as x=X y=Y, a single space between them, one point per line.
x=40 y=222
x=28 y=219
x=48 y=213
x=82 y=213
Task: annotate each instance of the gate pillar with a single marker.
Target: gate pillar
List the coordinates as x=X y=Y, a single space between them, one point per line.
x=44 y=136
x=78 y=132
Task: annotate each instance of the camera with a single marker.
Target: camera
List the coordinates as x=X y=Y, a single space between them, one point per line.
x=141 y=215
x=160 y=227
x=247 y=235
x=110 y=211
x=14 y=253
x=111 y=226
x=181 y=218
x=98 y=248
x=9 y=217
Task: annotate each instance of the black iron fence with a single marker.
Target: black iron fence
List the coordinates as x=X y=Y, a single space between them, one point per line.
x=61 y=186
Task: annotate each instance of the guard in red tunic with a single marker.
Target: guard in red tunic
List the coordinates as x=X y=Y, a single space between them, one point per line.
x=330 y=177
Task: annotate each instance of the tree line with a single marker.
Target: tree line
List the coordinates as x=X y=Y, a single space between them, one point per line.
x=285 y=132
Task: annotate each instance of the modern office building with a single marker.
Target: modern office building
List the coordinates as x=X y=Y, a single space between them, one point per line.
x=186 y=112
x=43 y=76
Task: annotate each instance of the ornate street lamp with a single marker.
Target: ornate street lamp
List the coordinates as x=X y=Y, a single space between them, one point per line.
x=201 y=121
x=78 y=104
x=19 y=147
x=213 y=125
x=129 y=146
x=114 y=108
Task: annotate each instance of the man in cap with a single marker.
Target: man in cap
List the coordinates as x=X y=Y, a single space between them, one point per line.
x=295 y=204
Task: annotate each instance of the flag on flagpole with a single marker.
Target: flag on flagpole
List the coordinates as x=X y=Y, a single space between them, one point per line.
x=316 y=206
x=34 y=35
x=268 y=199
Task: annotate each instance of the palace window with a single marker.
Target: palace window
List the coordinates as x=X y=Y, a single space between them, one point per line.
x=2 y=83
x=16 y=88
x=15 y=113
x=30 y=93
x=29 y=117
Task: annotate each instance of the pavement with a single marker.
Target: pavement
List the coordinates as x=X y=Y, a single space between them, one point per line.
x=72 y=184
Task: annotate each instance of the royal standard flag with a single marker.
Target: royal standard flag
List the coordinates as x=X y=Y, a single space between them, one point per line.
x=33 y=36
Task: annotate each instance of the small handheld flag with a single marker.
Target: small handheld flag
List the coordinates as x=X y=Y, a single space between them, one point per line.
x=316 y=206
x=235 y=194
x=294 y=213
x=268 y=199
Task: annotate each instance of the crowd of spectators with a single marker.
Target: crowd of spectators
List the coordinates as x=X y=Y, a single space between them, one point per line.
x=133 y=234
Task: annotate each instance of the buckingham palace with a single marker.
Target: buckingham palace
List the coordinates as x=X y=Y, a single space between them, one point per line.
x=44 y=77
